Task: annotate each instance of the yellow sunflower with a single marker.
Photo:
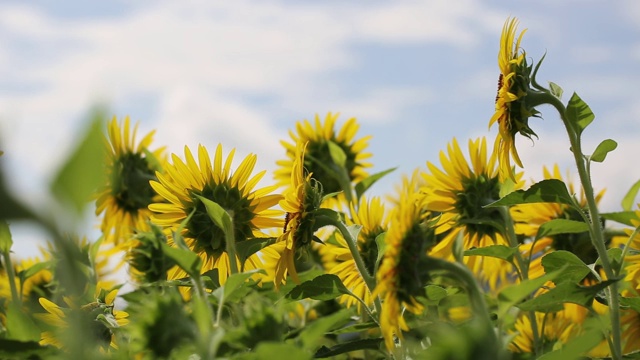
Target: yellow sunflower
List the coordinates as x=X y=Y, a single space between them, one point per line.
x=529 y=217
x=125 y=198
x=374 y=221
x=512 y=111
x=399 y=277
x=458 y=192
x=99 y=316
x=408 y=186
x=250 y=209
x=322 y=140
x=556 y=328
x=301 y=200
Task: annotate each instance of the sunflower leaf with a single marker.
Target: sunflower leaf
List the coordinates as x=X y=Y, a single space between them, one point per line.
x=337 y=154
x=604 y=148
x=627 y=201
x=323 y=287
x=561 y=226
x=19 y=325
x=83 y=172
x=549 y=190
x=365 y=184
x=555 y=89
x=235 y=288
x=34 y=269
x=246 y=248
x=574 y=269
x=497 y=251
x=218 y=214
x=5 y=237
x=565 y=292
x=623 y=217
x=632 y=302
x=579 y=113
x=186 y=259
x=313 y=333
x=514 y=294
x=345 y=347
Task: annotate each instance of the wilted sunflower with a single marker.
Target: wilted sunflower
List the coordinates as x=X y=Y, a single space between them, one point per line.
x=97 y=318
x=512 y=111
x=322 y=142
x=400 y=278
x=374 y=221
x=125 y=198
x=529 y=217
x=250 y=209
x=301 y=200
x=458 y=192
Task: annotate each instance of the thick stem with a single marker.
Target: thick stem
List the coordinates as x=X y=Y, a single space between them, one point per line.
x=596 y=230
x=12 y=278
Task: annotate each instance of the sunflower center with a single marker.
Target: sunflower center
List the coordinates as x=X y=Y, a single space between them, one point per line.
x=207 y=235
x=130 y=183
x=318 y=161
x=478 y=192
x=414 y=246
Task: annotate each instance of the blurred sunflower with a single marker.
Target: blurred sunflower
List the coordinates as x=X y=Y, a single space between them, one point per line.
x=324 y=152
x=125 y=198
x=529 y=217
x=408 y=186
x=512 y=111
x=556 y=328
x=301 y=200
x=400 y=277
x=37 y=285
x=250 y=209
x=97 y=319
x=374 y=221
x=458 y=192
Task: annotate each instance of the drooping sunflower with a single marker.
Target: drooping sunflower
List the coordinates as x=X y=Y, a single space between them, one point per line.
x=97 y=319
x=185 y=181
x=458 y=192
x=529 y=217
x=125 y=198
x=400 y=278
x=371 y=215
x=301 y=200
x=512 y=111
x=323 y=141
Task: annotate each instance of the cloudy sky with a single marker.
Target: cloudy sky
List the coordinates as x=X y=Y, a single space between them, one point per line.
x=241 y=73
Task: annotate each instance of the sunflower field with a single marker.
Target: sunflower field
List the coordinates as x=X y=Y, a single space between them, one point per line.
x=203 y=256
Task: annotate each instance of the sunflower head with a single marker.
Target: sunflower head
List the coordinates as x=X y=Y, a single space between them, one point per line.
x=512 y=110
x=185 y=182
x=127 y=193
x=147 y=261
x=335 y=159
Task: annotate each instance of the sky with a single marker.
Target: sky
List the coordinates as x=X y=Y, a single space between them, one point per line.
x=241 y=73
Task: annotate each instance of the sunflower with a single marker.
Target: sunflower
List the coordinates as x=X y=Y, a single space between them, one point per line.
x=301 y=200
x=400 y=277
x=408 y=186
x=185 y=181
x=512 y=110
x=458 y=192
x=375 y=222
x=125 y=198
x=556 y=328
x=529 y=217
x=319 y=160
x=98 y=316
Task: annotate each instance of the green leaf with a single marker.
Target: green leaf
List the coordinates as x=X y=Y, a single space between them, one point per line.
x=5 y=237
x=19 y=325
x=355 y=328
x=497 y=251
x=574 y=269
x=435 y=292
x=565 y=292
x=273 y=350
x=246 y=248
x=323 y=287
x=623 y=217
x=34 y=269
x=337 y=154
x=187 y=260
x=576 y=347
x=313 y=333
x=365 y=184
x=235 y=284
x=632 y=302
x=345 y=347
x=550 y=190
x=629 y=198
x=605 y=147
x=555 y=89
x=561 y=226
x=14 y=349
x=218 y=214
x=512 y=295
x=579 y=113
x=381 y=244
x=83 y=172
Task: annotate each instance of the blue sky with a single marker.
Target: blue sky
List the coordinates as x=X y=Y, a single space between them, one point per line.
x=240 y=73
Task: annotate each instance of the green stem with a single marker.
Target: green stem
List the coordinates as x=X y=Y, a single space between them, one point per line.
x=369 y=280
x=12 y=278
x=231 y=250
x=596 y=230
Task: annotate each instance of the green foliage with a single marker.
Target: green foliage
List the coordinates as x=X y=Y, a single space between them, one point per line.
x=550 y=190
x=604 y=148
x=573 y=269
x=366 y=183
x=323 y=287
x=497 y=251
x=561 y=226
x=579 y=113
